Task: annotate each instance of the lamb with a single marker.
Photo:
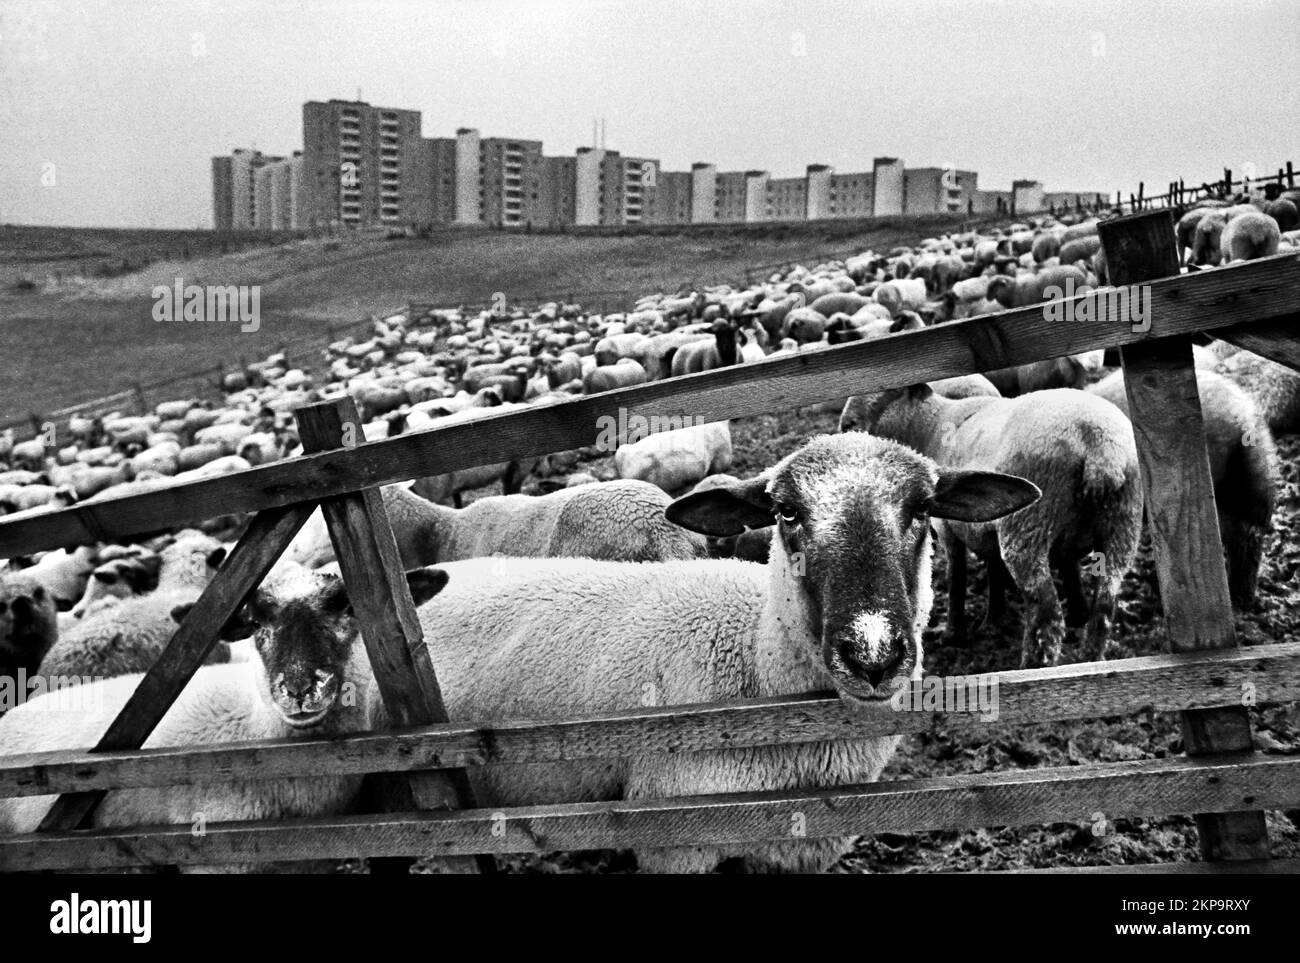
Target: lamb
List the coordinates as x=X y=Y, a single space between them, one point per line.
x=897 y=295
x=617 y=520
x=129 y=637
x=678 y=458
x=1243 y=467
x=307 y=676
x=1274 y=388
x=1077 y=449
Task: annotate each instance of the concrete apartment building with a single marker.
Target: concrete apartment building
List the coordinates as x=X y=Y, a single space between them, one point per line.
x=672 y=198
x=363 y=166
x=234 y=201
x=787 y=199
x=937 y=190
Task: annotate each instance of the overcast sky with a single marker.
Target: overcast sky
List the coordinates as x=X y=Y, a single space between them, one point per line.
x=128 y=100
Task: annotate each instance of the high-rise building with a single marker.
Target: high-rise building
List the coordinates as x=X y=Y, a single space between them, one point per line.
x=672 y=198
x=886 y=187
x=704 y=193
x=361 y=165
x=234 y=187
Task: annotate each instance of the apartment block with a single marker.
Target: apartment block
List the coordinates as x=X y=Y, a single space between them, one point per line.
x=556 y=206
x=704 y=193
x=852 y=195
x=730 y=197
x=787 y=198
x=937 y=190
x=672 y=198
x=361 y=165
x=234 y=187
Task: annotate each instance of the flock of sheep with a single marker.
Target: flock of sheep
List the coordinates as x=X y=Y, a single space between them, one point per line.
x=675 y=583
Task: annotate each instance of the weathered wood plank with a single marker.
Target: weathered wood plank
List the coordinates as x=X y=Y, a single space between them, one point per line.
x=1091 y=690
x=249 y=561
x=1246 y=293
x=1022 y=797
x=1165 y=408
x=1277 y=340
x=390 y=628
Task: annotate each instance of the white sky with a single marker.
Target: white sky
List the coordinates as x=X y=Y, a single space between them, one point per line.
x=129 y=100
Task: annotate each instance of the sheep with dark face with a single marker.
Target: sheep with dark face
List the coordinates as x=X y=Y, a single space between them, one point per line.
x=28 y=624
x=309 y=676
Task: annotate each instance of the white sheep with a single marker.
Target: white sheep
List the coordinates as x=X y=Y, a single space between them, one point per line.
x=617 y=520
x=1078 y=449
x=677 y=458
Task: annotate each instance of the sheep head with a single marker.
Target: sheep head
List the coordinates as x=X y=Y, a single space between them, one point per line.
x=852 y=546
x=311 y=665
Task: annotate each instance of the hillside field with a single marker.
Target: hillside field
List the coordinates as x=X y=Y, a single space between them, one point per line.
x=71 y=329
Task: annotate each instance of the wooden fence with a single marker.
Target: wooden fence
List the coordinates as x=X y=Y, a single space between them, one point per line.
x=1255 y=305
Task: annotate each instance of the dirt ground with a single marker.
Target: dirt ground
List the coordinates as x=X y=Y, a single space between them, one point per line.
x=1087 y=840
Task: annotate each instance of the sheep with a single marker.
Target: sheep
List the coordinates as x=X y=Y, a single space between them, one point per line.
x=1247 y=236
x=129 y=637
x=307 y=676
x=1284 y=212
x=1077 y=449
x=897 y=295
x=553 y=638
x=23 y=498
x=674 y=459
x=28 y=624
x=965 y=386
x=1243 y=467
x=64 y=574
x=1079 y=249
x=1049 y=284
x=707 y=355
x=804 y=325
x=1207 y=242
x=624 y=374
x=616 y=520
x=1275 y=388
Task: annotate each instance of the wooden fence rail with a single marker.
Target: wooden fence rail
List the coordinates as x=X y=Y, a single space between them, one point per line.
x=1163 y=683
x=1224 y=784
x=1222 y=779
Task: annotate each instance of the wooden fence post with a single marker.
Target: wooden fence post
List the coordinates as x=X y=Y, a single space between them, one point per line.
x=372 y=569
x=1165 y=407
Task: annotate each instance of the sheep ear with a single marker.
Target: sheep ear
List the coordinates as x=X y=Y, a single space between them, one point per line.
x=425 y=583
x=726 y=510
x=980 y=496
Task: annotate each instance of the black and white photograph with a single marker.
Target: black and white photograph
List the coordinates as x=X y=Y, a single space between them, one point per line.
x=456 y=438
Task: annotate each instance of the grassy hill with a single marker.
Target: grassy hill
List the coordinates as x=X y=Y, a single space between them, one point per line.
x=73 y=333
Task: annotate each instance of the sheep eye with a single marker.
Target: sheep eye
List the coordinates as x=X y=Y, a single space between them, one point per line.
x=787 y=514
